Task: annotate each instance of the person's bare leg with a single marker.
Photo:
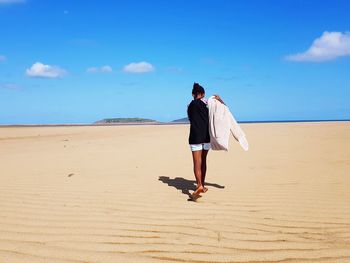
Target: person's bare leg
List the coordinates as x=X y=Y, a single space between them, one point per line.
x=204 y=168
x=197 y=169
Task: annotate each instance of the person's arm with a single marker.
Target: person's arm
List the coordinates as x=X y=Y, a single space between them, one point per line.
x=189 y=111
x=217 y=97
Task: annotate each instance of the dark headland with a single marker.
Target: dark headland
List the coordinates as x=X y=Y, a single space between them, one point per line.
x=124 y=120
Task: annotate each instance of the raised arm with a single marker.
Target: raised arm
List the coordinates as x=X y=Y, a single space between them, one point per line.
x=217 y=97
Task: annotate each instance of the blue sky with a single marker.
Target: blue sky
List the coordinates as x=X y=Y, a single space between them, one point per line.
x=81 y=61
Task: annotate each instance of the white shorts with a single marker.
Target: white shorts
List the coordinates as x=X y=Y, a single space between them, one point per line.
x=200 y=146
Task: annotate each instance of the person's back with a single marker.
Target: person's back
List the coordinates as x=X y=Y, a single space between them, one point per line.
x=198 y=116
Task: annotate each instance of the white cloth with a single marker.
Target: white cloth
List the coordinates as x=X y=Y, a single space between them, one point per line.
x=221 y=123
x=200 y=146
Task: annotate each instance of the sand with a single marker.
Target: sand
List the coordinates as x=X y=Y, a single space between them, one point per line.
x=120 y=194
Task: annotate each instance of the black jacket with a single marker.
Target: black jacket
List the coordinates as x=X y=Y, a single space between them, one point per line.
x=198 y=115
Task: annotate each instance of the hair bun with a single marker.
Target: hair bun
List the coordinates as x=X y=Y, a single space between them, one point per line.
x=197 y=89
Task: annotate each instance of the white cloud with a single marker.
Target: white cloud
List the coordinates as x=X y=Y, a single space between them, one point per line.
x=11 y=86
x=11 y=1
x=103 y=69
x=329 y=46
x=2 y=58
x=106 y=69
x=92 y=70
x=138 y=67
x=40 y=70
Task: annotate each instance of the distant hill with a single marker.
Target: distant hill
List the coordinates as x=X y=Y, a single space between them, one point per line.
x=124 y=120
x=183 y=120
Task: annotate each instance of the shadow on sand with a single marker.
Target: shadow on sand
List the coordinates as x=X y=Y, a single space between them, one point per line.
x=184 y=185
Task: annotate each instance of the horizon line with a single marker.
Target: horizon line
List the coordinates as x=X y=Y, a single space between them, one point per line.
x=164 y=123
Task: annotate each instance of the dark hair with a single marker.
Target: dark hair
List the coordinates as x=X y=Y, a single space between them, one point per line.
x=197 y=89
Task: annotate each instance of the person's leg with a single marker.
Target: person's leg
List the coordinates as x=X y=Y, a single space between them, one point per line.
x=197 y=166
x=197 y=169
x=204 y=168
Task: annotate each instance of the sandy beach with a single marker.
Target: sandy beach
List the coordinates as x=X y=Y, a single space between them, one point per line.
x=120 y=194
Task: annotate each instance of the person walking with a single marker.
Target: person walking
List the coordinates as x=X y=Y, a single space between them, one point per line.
x=199 y=139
